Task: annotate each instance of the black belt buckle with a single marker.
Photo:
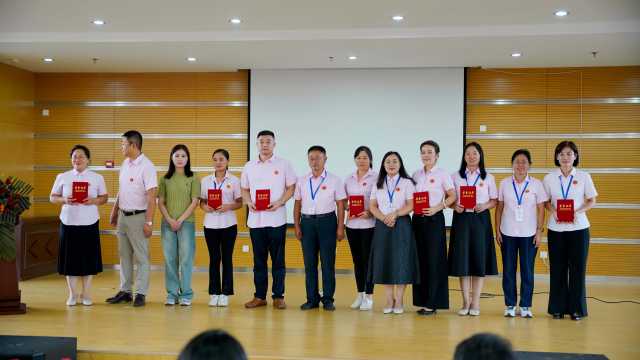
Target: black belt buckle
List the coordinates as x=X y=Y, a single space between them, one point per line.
x=134 y=212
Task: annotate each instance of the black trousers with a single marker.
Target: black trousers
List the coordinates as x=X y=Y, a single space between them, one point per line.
x=268 y=241
x=431 y=243
x=360 y=244
x=319 y=238
x=568 y=252
x=220 y=243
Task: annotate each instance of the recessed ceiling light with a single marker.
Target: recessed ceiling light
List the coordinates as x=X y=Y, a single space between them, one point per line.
x=516 y=54
x=235 y=21
x=561 y=13
x=398 y=18
x=191 y=59
x=353 y=57
x=47 y=60
x=98 y=22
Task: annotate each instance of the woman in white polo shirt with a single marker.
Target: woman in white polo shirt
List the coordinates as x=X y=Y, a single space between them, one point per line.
x=519 y=223
x=79 y=256
x=573 y=191
x=220 y=226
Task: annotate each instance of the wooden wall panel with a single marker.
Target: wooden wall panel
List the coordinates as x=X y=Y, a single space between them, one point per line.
x=17 y=90
x=64 y=95
x=570 y=101
x=75 y=120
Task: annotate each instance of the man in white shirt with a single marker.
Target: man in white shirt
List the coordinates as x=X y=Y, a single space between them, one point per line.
x=133 y=215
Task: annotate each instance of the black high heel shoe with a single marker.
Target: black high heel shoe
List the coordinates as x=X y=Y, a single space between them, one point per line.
x=425 y=312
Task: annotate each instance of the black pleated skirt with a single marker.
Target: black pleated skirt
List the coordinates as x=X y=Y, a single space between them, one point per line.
x=471 y=248
x=431 y=244
x=393 y=259
x=79 y=250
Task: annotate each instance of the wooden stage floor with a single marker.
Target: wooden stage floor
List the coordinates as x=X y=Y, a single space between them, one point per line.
x=157 y=331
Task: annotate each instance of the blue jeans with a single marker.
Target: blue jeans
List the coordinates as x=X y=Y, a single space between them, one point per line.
x=178 y=248
x=511 y=246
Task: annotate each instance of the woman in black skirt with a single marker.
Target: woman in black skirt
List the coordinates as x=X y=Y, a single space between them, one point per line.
x=431 y=239
x=80 y=191
x=393 y=260
x=472 y=253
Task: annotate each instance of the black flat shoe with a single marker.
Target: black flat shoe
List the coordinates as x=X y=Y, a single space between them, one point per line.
x=425 y=312
x=576 y=317
x=558 y=316
x=139 y=300
x=309 y=305
x=328 y=306
x=120 y=297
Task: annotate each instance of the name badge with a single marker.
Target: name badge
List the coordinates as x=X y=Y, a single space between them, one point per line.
x=519 y=213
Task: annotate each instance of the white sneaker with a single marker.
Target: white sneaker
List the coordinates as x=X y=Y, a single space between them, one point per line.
x=71 y=301
x=87 y=302
x=170 y=302
x=367 y=303
x=213 y=300
x=463 y=312
x=510 y=311
x=525 y=312
x=387 y=310
x=223 y=300
x=358 y=301
x=398 y=311
x=185 y=302
x=474 y=312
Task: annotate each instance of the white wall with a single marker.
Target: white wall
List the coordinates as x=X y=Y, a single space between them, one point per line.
x=385 y=109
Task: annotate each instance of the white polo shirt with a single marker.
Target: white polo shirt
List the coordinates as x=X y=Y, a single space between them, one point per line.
x=318 y=195
x=485 y=188
x=437 y=182
x=581 y=188
x=532 y=193
x=136 y=178
x=363 y=187
x=395 y=196
x=274 y=174
x=230 y=186
x=78 y=215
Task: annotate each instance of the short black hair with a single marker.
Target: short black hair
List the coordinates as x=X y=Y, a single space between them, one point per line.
x=367 y=151
x=317 y=148
x=566 y=144
x=431 y=143
x=85 y=149
x=484 y=346
x=524 y=152
x=134 y=137
x=266 y=133
x=213 y=345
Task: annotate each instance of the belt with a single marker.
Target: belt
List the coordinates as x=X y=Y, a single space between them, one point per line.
x=133 y=212
x=318 y=216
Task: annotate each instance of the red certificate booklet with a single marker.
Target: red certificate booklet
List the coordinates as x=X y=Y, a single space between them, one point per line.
x=468 y=197
x=420 y=202
x=214 y=198
x=564 y=210
x=263 y=199
x=80 y=191
x=356 y=205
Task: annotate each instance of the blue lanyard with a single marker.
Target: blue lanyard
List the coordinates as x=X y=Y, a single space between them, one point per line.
x=392 y=192
x=215 y=184
x=565 y=194
x=521 y=196
x=314 y=193
x=475 y=182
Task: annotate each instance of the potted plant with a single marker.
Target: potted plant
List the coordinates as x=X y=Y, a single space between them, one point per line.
x=14 y=200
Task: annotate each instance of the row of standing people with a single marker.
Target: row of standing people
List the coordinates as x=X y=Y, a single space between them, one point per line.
x=388 y=247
